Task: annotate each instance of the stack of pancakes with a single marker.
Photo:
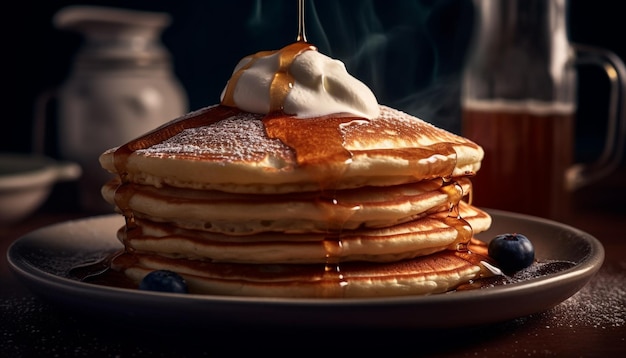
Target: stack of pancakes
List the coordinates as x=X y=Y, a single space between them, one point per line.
x=273 y=205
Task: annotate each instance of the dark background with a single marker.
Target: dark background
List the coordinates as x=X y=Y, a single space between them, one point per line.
x=409 y=52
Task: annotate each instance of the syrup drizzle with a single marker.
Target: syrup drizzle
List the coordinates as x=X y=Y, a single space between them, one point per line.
x=281 y=83
x=301 y=28
x=316 y=141
x=283 y=80
x=229 y=94
x=455 y=194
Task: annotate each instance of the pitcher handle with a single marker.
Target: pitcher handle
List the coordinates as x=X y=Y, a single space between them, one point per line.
x=580 y=175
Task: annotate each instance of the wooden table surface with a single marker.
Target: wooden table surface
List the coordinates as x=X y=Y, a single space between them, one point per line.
x=592 y=323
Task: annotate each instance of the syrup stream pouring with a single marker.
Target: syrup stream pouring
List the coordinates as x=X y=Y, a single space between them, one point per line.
x=301 y=29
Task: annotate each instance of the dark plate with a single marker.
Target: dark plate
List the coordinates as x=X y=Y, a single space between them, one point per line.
x=43 y=258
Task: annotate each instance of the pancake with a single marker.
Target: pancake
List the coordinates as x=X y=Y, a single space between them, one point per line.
x=225 y=149
x=218 y=211
x=431 y=274
x=423 y=236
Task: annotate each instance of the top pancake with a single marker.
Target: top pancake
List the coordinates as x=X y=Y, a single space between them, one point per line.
x=222 y=148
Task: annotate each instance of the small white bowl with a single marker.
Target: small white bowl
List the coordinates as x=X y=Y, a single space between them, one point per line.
x=26 y=181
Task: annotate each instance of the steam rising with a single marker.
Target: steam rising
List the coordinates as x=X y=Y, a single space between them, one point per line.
x=410 y=53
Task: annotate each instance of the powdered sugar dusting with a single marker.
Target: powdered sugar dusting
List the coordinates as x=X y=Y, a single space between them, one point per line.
x=600 y=304
x=388 y=113
x=239 y=138
x=393 y=115
x=396 y=129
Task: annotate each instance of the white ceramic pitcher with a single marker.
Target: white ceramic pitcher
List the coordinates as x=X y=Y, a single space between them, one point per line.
x=121 y=85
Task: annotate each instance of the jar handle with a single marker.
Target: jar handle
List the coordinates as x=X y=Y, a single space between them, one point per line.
x=580 y=175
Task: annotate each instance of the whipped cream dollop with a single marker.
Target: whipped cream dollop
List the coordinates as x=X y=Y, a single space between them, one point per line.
x=318 y=86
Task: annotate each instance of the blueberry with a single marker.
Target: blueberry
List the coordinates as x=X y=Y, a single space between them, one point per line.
x=512 y=252
x=163 y=281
